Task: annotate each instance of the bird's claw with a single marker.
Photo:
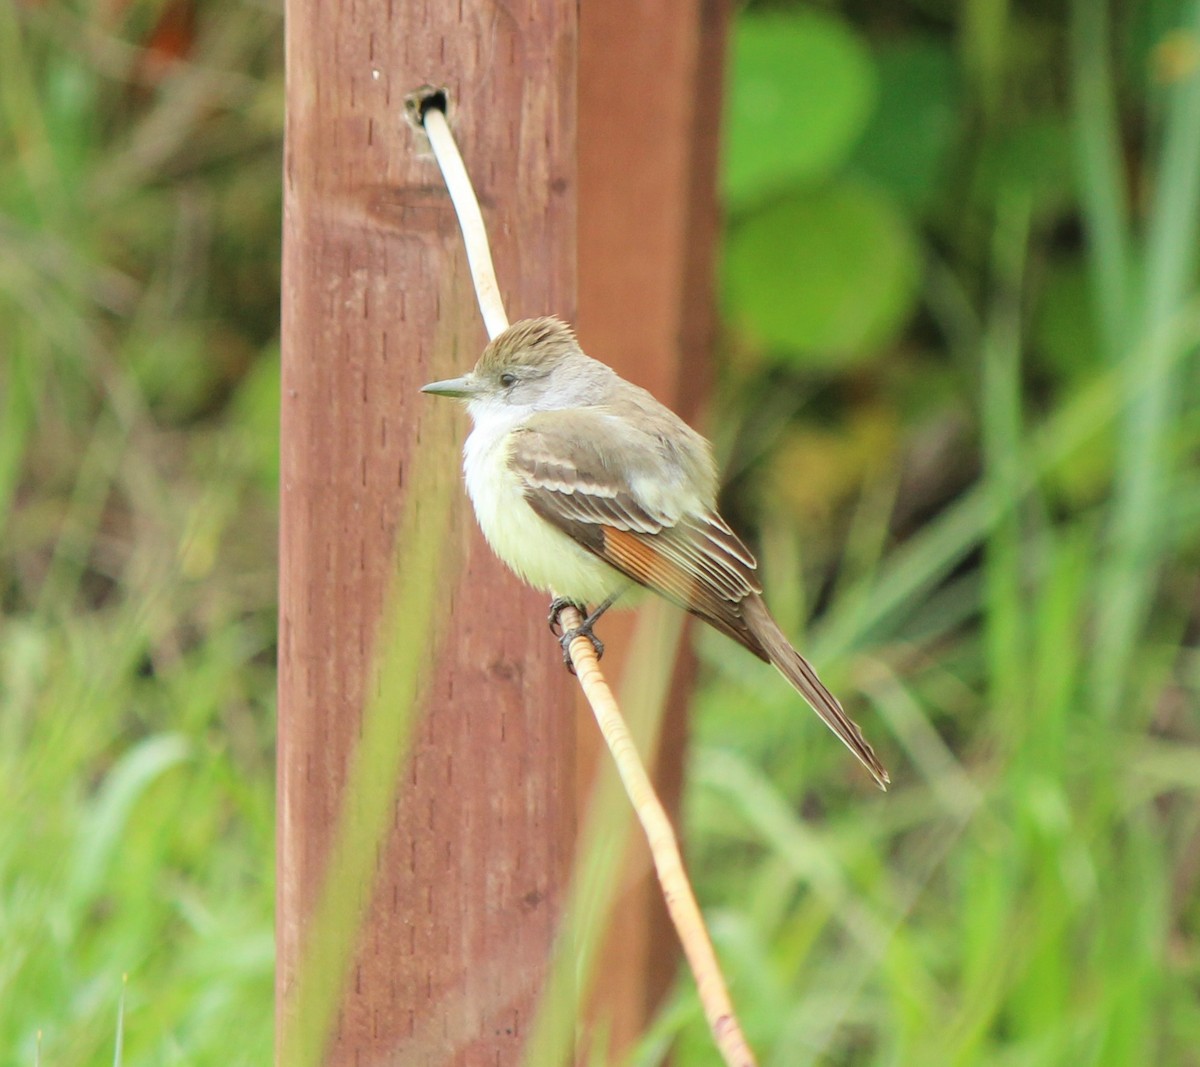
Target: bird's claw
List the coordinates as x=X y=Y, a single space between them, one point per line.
x=579 y=631
x=557 y=606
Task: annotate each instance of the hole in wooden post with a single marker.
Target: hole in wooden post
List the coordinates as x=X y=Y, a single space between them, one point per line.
x=418 y=103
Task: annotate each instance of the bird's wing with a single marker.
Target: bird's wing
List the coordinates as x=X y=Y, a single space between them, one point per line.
x=595 y=481
x=626 y=497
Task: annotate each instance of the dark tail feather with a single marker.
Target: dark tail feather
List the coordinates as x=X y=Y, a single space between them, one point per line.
x=797 y=670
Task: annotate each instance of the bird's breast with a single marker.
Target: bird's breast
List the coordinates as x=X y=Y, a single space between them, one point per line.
x=537 y=552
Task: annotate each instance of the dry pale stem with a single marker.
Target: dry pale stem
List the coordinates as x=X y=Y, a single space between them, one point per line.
x=677 y=890
x=664 y=848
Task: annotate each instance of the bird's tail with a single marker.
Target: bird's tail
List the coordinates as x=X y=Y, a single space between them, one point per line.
x=797 y=670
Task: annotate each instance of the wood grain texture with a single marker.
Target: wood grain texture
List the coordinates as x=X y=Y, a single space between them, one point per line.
x=650 y=85
x=458 y=919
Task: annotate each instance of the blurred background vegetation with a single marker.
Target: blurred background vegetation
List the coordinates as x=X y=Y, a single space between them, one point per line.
x=958 y=412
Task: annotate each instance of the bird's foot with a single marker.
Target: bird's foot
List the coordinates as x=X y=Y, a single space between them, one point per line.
x=579 y=631
x=557 y=606
x=565 y=637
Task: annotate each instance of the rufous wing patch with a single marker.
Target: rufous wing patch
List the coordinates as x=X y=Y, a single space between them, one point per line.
x=644 y=564
x=638 y=556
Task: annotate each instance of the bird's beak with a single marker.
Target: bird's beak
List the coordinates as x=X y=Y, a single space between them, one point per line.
x=462 y=388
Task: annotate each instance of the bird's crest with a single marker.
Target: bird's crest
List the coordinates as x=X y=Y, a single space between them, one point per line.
x=529 y=342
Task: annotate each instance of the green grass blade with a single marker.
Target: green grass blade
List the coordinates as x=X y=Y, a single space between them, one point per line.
x=1145 y=471
x=1102 y=186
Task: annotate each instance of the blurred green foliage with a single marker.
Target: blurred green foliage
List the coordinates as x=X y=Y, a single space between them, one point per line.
x=993 y=458
x=856 y=256
x=959 y=415
x=801 y=88
x=139 y=251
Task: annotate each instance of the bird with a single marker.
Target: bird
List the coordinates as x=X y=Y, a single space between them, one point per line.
x=590 y=489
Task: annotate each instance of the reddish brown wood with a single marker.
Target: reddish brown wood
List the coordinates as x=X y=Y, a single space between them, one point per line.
x=471 y=883
x=649 y=110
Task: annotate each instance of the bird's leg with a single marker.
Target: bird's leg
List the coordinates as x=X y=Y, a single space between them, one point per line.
x=565 y=637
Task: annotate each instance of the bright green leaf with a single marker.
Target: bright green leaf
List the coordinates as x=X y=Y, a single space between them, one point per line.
x=823 y=276
x=802 y=87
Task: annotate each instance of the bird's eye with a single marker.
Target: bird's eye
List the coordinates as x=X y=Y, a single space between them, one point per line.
x=507 y=379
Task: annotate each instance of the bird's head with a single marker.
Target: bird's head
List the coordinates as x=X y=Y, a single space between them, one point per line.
x=534 y=365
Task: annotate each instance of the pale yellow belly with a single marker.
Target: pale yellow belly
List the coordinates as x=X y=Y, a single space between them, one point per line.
x=539 y=554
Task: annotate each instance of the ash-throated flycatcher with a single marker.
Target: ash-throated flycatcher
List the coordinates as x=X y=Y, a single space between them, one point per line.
x=586 y=486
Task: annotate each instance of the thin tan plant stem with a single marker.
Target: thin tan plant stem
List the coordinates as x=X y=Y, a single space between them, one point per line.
x=470 y=220
x=664 y=847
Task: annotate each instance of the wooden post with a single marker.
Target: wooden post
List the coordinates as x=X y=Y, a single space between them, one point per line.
x=649 y=114
x=454 y=903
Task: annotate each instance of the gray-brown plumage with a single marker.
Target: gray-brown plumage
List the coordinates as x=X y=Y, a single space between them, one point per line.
x=585 y=485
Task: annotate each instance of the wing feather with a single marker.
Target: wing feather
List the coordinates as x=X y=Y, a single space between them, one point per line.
x=680 y=547
x=689 y=556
